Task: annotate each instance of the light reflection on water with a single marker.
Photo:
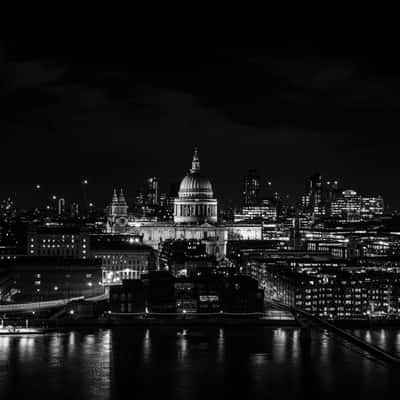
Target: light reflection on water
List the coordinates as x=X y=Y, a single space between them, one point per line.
x=203 y=363
x=387 y=339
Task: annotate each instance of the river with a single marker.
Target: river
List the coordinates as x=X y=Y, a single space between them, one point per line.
x=207 y=363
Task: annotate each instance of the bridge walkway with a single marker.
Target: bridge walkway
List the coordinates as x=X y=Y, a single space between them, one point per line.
x=308 y=320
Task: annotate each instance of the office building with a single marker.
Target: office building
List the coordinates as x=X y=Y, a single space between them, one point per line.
x=123 y=257
x=251 y=189
x=58 y=241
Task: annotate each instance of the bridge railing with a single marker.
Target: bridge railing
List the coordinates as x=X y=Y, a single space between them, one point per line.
x=39 y=305
x=375 y=350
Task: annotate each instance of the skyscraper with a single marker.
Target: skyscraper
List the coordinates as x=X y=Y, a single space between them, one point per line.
x=61 y=206
x=251 y=188
x=332 y=191
x=152 y=196
x=347 y=206
x=312 y=201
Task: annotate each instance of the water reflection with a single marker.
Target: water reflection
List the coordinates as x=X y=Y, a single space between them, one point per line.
x=220 y=347
x=280 y=343
x=215 y=363
x=386 y=338
x=147 y=347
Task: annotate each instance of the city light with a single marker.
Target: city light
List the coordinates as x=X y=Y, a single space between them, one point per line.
x=241 y=232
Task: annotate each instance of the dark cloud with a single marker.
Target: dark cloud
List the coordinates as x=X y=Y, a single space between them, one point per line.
x=288 y=111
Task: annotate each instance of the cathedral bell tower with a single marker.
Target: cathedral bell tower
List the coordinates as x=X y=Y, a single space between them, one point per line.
x=117 y=219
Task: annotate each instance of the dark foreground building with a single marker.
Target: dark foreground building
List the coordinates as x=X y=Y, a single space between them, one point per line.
x=128 y=297
x=161 y=292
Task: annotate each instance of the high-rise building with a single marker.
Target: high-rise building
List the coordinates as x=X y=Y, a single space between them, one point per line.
x=371 y=206
x=332 y=191
x=167 y=200
x=152 y=196
x=347 y=206
x=61 y=206
x=266 y=211
x=350 y=206
x=316 y=195
x=74 y=210
x=312 y=202
x=251 y=188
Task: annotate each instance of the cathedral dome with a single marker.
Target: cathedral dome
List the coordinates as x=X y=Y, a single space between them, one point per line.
x=195 y=203
x=194 y=185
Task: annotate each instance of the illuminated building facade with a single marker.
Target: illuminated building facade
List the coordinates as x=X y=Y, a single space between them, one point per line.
x=122 y=257
x=347 y=206
x=195 y=203
x=312 y=201
x=195 y=217
x=371 y=207
x=117 y=218
x=58 y=241
x=265 y=211
x=352 y=207
x=335 y=294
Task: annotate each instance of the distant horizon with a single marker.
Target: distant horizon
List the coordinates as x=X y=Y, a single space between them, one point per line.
x=104 y=192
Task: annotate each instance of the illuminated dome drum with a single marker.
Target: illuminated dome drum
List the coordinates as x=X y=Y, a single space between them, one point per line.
x=195 y=203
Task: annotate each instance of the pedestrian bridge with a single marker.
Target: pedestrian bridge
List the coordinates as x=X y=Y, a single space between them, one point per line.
x=303 y=317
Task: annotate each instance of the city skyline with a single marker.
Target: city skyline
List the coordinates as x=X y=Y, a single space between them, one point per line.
x=82 y=192
x=172 y=208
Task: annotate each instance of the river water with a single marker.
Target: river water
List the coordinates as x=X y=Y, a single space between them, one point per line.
x=206 y=363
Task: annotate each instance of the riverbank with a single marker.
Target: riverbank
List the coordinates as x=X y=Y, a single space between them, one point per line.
x=187 y=321
x=147 y=322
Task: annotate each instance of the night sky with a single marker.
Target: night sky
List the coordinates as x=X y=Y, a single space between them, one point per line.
x=118 y=111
